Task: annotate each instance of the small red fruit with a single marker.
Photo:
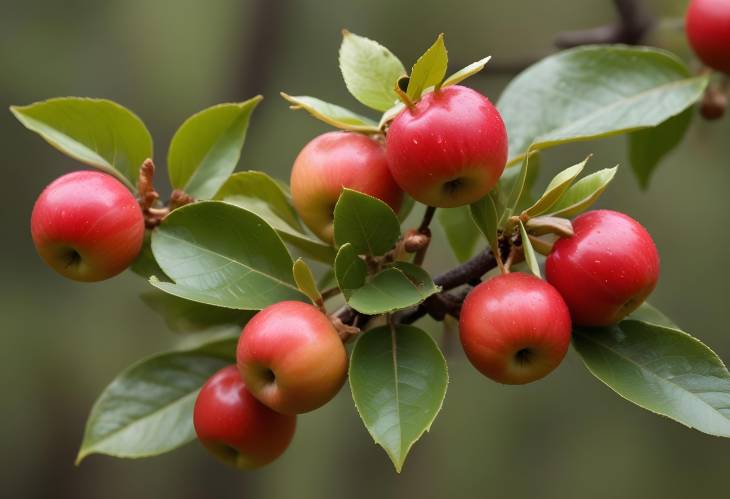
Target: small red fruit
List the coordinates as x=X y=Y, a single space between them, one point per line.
x=708 y=31
x=331 y=162
x=606 y=270
x=291 y=357
x=87 y=226
x=449 y=149
x=515 y=328
x=235 y=427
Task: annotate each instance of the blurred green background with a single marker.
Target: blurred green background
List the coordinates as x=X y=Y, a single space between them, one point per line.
x=565 y=436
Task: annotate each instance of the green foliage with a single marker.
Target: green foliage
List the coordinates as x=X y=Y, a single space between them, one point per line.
x=581 y=195
x=206 y=148
x=486 y=214
x=370 y=71
x=555 y=189
x=97 y=132
x=398 y=379
x=429 y=70
x=365 y=222
x=220 y=254
x=460 y=229
x=332 y=114
x=661 y=369
x=466 y=72
x=147 y=410
x=306 y=283
x=530 y=257
x=350 y=270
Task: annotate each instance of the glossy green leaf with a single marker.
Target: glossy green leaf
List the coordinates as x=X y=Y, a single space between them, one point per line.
x=390 y=114
x=520 y=185
x=581 y=195
x=460 y=229
x=370 y=71
x=185 y=316
x=264 y=196
x=148 y=409
x=207 y=146
x=350 y=270
x=305 y=280
x=220 y=254
x=648 y=146
x=649 y=313
x=400 y=286
x=429 y=70
x=332 y=114
x=486 y=214
x=661 y=369
x=97 y=132
x=398 y=380
x=365 y=222
x=406 y=207
x=145 y=264
x=466 y=72
x=595 y=91
x=555 y=189
x=530 y=257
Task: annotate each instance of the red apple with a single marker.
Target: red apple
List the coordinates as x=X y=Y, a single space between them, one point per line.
x=332 y=161
x=449 y=149
x=237 y=428
x=291 y=357
x=515 y=328
x=87 y=226
x=708 y=31
x=606 y=270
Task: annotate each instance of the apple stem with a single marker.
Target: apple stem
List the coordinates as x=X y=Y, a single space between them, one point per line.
x=404 y=97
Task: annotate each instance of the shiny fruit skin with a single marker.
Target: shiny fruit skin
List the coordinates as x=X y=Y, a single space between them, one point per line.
x=515 y=328
x=331 y=162
x=707 y=25
x=291 y=357
x=606 y=270
x=449 y=149
x=87 y=226
x=235 y=427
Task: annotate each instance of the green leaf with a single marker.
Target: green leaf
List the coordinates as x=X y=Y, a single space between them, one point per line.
x=350 y=270
x=398 y=380
x=332 y=114
x=97 y=132
x=555 y=189
x=595 y=91
x=486 y=215
x=661 y=369
x=648 y=146
x=401 y=286
x=406 y=207
x=520 y=185
x=461 y=231
x=148 y=409
x=530 y=257
x=390 y=114
x=207 y=146
x=581 y=195
x=466 y=72
x=262 y=195
x=370 y=71
x=185 y=316
x=305 y=281
x=223 y=255
x=366 y=222
x=649 y=313
x=145 y=264
x=429 y=70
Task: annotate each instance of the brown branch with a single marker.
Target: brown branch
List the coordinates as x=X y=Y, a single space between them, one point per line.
x=633 y=25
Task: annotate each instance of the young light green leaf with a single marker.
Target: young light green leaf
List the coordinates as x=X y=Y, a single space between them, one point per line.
x=332 y=114
x=486 y=214
x=366 y=222
x=557 y=186
x=390 y=114
x=429 y=70
x=466 y=72
x=350 y=270
x=595 y=91
x=530 y=257
x=97 y=132
x=148 y=409
x=648 y=146
x=223 y=255
x=520 y=185
x=305 y=281
x=207 y=146
x=401 y=286
x=461 y=231
x=661 y=369
x=581 y=195
x=264 y=196
x=370 y=71
x=398 y=380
